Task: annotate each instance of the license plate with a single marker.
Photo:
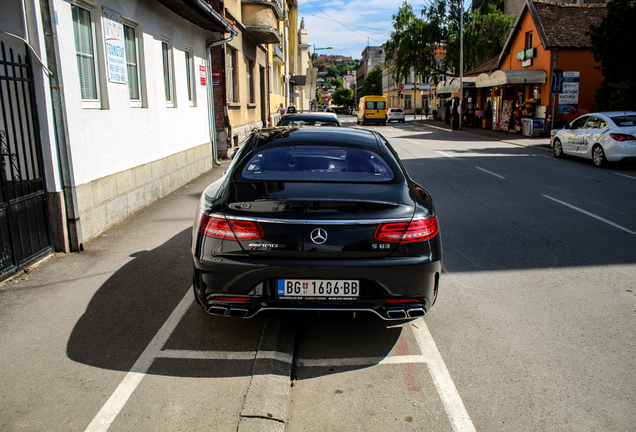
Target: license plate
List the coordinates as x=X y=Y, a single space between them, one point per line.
x=318 y=289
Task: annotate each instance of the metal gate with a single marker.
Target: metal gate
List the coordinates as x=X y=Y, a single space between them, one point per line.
x=24 y=222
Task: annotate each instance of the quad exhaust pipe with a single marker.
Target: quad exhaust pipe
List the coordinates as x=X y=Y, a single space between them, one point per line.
x=233 y=312
x=405 y=313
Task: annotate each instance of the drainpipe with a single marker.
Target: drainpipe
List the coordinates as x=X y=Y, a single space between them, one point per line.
x=210 y=92
x=63 y=145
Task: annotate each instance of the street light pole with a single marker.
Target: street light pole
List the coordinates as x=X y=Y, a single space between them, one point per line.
x=313 y=64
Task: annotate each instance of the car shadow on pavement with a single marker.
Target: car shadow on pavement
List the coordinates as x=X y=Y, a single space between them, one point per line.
x=130 y=308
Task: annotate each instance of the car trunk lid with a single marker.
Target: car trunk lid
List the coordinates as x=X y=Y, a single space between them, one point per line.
x=304 y=221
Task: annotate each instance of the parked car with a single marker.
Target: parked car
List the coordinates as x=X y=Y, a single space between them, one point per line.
x=310 y=119
x=395 y=114
x=316 y=219
x=601 y=137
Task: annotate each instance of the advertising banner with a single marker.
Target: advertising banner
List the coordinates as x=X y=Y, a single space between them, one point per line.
x=115 y=48
x=569 y=99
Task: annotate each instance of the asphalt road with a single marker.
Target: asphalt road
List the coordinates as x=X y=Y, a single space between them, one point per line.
x=533 y=329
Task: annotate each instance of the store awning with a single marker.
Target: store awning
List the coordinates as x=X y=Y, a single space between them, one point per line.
x=452 y=86
x=505 y=77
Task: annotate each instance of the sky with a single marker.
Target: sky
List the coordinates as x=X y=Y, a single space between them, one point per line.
x=348 y=26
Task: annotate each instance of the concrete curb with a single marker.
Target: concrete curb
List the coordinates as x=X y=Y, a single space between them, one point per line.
x=265 y=405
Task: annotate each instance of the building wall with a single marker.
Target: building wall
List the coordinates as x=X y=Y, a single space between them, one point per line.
x=120 y=136
x=580 y=60
x=125 y=157
x=590 y=78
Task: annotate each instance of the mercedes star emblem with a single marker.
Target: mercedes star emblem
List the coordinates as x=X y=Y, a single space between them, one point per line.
x=318 y=236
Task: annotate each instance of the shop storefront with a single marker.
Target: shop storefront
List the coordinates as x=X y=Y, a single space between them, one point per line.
x=518 y=90
x=514 y=95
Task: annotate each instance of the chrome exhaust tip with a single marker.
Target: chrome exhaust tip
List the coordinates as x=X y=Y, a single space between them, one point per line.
x=415 y=312
x=238 y=312
x=217 y=310
x=396 y=313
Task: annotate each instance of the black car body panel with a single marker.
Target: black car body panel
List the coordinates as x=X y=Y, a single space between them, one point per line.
x=305 y=227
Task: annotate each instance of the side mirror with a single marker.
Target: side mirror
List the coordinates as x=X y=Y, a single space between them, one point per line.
x=233 y=152
x=568 y=126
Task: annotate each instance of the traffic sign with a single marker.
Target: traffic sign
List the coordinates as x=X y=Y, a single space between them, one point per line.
x=401 y=86
x=556 y=84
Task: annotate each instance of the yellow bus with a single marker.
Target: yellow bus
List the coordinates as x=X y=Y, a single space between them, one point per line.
x=372 y=109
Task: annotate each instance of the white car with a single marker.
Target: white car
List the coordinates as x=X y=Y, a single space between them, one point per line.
x=395 y=114
x=602 y=137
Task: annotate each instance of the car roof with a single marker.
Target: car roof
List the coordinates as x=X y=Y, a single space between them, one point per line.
x=322 y=135
x=609 y=113
x=301 y=116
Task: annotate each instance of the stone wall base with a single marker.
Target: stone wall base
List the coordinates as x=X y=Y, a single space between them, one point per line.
x=107 y=201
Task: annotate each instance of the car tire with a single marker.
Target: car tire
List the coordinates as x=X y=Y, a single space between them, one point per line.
x=598 y=156
x=384 y=124
x=557 y=148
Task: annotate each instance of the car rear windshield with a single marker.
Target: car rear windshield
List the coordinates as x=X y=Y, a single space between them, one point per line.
x=317 y=163
x=624 y=120
x=397 y=110
x=375 y=105
x=326 y=121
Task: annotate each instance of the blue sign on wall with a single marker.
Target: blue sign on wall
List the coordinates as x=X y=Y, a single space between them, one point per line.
x=556 y=84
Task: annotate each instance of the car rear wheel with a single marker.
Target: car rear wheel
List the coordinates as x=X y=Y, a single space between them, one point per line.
x=557 y=148
x=598 y=156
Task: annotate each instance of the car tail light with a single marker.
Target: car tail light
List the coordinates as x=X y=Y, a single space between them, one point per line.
x=403 y=300
x=406 y=232
x=221 y=228
x=622 y=137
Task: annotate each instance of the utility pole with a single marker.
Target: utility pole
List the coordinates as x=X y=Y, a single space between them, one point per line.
x=461 y=62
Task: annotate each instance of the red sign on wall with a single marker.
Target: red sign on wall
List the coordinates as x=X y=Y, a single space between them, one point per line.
x=216 y=78
x=202 y=73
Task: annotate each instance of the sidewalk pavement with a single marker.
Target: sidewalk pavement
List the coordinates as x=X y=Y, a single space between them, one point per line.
x=539 y=143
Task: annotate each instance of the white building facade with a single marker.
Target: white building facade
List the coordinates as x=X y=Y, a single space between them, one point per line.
x=122 y=105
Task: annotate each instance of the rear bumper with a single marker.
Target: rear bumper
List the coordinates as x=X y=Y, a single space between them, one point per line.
x=414 y=281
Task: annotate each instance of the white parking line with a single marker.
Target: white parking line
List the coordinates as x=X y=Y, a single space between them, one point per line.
x=491 y=173
x=625 y=175
x=118 y=399
x=453 y=404
x=455 y=410
x=590 y=214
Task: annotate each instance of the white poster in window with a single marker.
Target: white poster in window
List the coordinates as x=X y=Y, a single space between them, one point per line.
x=569 y=99
x=115 y=47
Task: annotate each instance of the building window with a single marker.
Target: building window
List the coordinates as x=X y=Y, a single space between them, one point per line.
x=189 y=65
x=85 y=53
x=251 y=97
x=132 y=65
x=528 y=40
x=168 y=77
x=231 y=75
x=407 y=101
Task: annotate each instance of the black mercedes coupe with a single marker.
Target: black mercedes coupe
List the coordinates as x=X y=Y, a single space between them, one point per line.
x=316 y=219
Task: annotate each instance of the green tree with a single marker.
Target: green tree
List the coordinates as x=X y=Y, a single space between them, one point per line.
x=337 y=83
x=343 y=97
x=430 y=44
x=372 y=83
x=610 y=42
x=485 y=34
x=332 y=71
